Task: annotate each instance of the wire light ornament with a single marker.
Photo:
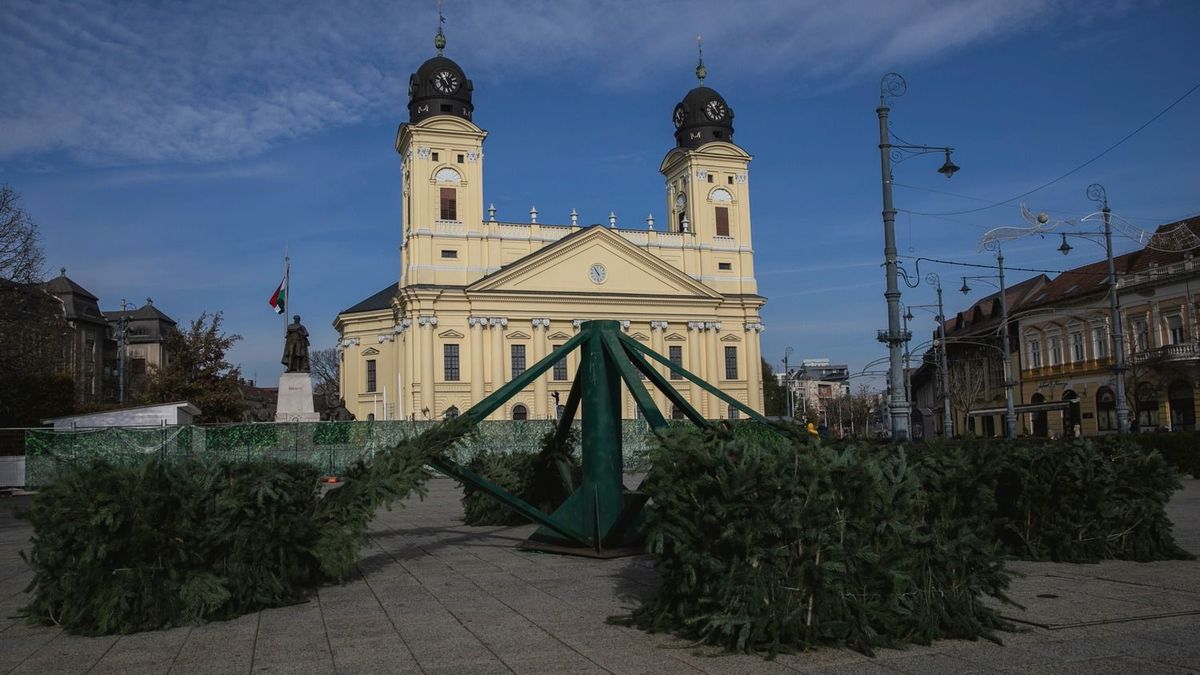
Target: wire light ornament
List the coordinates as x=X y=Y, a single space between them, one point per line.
x=1039 y=224
x=1174 y=240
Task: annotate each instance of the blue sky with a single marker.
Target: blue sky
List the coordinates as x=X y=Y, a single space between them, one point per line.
x=170 y=149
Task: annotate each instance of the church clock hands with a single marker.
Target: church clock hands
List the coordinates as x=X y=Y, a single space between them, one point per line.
x=680 y=116
x=714 y=110
x=445 y=81
x=597 y=273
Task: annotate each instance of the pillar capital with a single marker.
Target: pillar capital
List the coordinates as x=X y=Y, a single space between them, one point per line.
x=429 y=321
x=755 y=326
x=539 y=323
x=659 y=325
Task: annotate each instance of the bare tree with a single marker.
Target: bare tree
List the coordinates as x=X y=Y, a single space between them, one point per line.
x=325 y=367
x=33 y=330
x=968 y=383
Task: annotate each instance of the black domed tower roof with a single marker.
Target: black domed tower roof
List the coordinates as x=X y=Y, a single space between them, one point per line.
x=702 y=116
x=439 y=87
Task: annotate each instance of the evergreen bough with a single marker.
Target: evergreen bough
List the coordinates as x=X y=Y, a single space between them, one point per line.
x=544 y=479
x=161 y=543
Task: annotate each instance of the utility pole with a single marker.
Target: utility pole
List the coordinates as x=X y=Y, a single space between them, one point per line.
x=1010 y=416
x=787 y=380
x=1097 y=193
x=122 y=329
x=947 y=421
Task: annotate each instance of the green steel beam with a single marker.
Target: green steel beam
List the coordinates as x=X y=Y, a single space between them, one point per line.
x=665 y=387
x=488 y=405
x=464 y=475
x=641 y=397
x=569 y=410
x=601 y=437
x=707 y=387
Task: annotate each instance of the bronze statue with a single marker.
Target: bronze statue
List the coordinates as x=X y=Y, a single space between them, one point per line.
x=295 y=347
x=339 y=412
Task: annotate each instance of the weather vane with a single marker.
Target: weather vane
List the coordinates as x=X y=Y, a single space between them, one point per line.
x=701 y=71
x=439 y=40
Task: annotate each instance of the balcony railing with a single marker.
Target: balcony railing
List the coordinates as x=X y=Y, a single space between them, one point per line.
x=1184 y=351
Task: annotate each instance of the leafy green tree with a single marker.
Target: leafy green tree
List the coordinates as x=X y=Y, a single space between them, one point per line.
x=196 y=371
x=774 y=395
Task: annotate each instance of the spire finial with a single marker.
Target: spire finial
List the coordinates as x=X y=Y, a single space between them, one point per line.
x=62 y=271
x=701 y=71
x=439 y=40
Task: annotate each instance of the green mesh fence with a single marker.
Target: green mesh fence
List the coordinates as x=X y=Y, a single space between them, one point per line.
x=330 y=446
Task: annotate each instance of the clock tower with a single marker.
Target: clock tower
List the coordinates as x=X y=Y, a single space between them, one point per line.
x=708 y=193
x=441 y=156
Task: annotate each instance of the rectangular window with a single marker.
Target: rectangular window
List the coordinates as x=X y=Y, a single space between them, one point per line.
x=1055 y=344
x=1035 y=354
x=449 y=253
x=675 y=353
x=137 y=366
x=434 y=156
x=450 y=362
x=729 y=179
x=1141 y=335
x=1099 y=343
x=518 y=360
x=734 y=413
x=731 y=363
x=560 y=368
x=722 y=221
x=1175 y=328
x=460 y=159
x=449 y=209
x=710 y=177
x=725 y=266
x=1077 y=346
x=370 y=375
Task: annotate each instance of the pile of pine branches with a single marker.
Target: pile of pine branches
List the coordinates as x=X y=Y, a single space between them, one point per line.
x=544 y=479
x=120 y=549
x=776 y=544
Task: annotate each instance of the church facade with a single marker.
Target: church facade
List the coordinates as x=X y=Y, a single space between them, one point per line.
x=479 y=300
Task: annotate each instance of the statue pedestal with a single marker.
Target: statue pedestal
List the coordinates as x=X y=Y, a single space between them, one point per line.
x=295 y=403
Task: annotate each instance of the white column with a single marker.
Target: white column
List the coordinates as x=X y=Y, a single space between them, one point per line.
x=475 y=345
x=497 y=325
x=714 y=369
x=658 y=331
x=539 y=352
x=694 y=361
x=427 y=323
x=754 y=381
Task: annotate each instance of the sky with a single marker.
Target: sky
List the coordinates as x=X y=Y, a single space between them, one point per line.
x=173 y=150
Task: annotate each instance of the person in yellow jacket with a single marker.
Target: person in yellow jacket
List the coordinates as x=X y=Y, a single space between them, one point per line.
x=808 y=426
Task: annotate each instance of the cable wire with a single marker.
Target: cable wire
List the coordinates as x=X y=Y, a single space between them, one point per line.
x=1047 y=184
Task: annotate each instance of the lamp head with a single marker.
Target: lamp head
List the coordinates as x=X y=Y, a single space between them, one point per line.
x=1065 y=248
x=908 y=315
x=949 y=168
x=965 y=288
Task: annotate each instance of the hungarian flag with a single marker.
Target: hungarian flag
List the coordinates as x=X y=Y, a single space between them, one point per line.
x=279 y=297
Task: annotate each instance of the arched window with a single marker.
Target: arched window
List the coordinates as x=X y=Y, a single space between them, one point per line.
x=677 y=413
x=721 y=196
x=1106 y=409
x=1041 y=425
x=451 y=412
x=447 y=175
x=520 y=412
x=1147 y=407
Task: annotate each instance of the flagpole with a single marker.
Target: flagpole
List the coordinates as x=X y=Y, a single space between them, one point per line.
x=287 y=286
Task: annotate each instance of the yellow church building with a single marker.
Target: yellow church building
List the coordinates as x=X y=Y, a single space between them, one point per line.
x=479 y=300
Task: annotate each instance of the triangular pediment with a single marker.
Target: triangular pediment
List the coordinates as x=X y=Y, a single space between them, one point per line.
x=370 y=351
x=566 y=267
x=517 y=335
x=731 y=338
x=639 y=336
x=450 y=334
x=675 y=337
x=560 y=336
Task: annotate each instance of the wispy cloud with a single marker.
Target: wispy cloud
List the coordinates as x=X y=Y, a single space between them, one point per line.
x=148 y=82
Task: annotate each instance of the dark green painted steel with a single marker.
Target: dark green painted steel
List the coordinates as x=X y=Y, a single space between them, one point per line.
x=707 y=387
x=600 y=514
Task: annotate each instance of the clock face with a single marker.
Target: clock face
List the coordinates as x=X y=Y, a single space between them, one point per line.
x=680 y=116
x=680 y=201
x=445 y=81
x=597 y=273
x=715 y=110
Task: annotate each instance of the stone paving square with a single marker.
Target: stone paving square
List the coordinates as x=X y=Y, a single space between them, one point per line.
x=435 y=596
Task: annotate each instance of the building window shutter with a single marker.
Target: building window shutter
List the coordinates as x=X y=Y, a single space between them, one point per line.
x=722 y=221
x=449 y=204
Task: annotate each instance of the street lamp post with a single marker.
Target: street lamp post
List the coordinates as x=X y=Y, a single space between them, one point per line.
x=787 y=380
x=1010 y=415
x=1098 y=194
x=947 y=422
x=893 y=85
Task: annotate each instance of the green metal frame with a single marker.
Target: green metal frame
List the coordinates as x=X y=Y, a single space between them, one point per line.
x=600 y=515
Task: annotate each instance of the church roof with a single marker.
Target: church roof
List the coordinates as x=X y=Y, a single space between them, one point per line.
x=375 y=302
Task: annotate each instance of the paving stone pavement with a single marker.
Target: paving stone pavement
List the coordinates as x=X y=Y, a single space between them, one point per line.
x=435 y=596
